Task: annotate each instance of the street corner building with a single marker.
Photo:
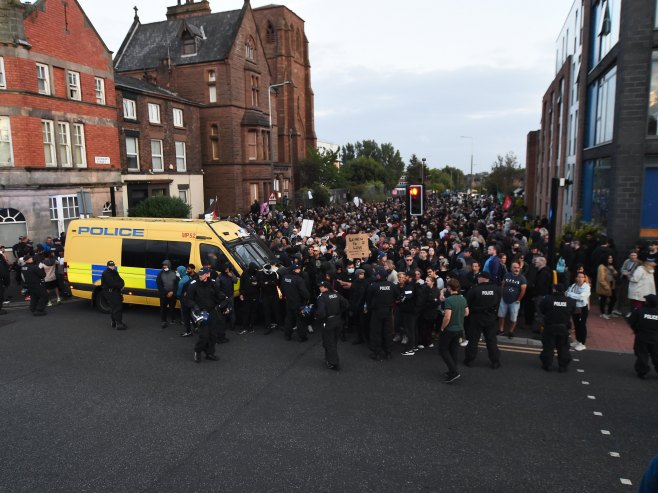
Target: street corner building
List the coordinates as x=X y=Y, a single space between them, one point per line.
x=598 y=125
x=247 y=74
x=58 y=131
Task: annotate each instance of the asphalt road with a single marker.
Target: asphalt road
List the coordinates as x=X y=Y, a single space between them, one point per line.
x=87 y=408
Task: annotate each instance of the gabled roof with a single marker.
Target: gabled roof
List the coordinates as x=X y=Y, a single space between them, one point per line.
x=147 y=44
x=142 y=86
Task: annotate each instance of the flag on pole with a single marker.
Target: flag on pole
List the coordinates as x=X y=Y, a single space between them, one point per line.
x=210 y=214
x=508 y=203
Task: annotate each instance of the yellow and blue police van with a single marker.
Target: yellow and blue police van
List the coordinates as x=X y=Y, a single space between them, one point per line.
x=139 y=245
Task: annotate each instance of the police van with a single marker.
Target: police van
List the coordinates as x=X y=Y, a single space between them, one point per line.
x=139 y=245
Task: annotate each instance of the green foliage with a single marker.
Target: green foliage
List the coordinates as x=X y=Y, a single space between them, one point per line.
x=579 y=229
x=161 y=206
x=363 y=170
x=505 y=171
x=374 y=191
x=321 y=195
x=320 y=167
x=386 y=155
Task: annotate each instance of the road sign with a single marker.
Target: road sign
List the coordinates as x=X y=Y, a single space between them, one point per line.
x=272 y=199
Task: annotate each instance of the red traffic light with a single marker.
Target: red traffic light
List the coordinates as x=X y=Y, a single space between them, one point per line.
x=414 y=191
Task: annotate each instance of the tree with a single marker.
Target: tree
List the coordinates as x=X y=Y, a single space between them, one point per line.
x=161 y=206
x=505 y=174
x=363 y=170
x=320 y=167
x=416 y=170
x=386 y=155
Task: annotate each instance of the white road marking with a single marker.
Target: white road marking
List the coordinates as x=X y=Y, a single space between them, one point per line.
x=580 y=371
x=625 y=481
x=597 y=413
x=591 y=397
x=614 y=454
x=585 y=382
x=605 y=432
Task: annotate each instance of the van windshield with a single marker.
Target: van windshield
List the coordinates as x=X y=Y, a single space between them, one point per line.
x=247 y=250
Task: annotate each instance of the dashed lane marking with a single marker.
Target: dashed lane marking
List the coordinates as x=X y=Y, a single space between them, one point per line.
x=593 y=397
x=597 y=413
x=614 y=454
x=585 y=382
x=605 y=432
x=626 y=481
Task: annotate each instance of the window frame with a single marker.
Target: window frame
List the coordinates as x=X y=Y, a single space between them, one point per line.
x=129 y=109
x=3 y=74
x=182 y=157
x=154 y=113
x=178 y=117
x=79 y=145
x=212 y=94
x=49 y=125
x=99 y=84
x=47 y=91
x=7 y=141
x=131 y=155
x=74 y=89
x=252 y=147
x=214 y=141
x=63 y=139
x=159 y=156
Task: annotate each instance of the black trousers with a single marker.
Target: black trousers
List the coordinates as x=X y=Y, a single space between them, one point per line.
x=644 y=351
x=555 y=337
x=38 y=298
x=449 y=349
x=330 y=330
x=580 y=324
x=359 y=323
x=186 y=316
x=293 y=318
x=208 y=334
x=167 y=307
x=409 y=322
x=270 y=310
x=476 y=327
x=381 y=338
x=113 y=299
x=249 y=312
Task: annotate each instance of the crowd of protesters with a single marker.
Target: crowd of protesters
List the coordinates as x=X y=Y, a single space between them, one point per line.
x=399 y=292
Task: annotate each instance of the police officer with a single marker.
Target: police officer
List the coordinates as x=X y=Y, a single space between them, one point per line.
x=380 y=298
x=249 y=295
x=33 y=276
x=268 y=281
x=296 y=294
x=483 y=300
x=557 y=311
x=205 y=295
x=111 y=286
x=329 y=308
x=644 y=322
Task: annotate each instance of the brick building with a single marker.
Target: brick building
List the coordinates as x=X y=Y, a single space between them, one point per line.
x=58 y=122
x=607 y=84
x=159 y=144
x=249 y=72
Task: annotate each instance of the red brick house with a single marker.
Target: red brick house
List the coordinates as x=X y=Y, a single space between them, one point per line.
x=58 y=120
x=159 y=144
x=228 y=63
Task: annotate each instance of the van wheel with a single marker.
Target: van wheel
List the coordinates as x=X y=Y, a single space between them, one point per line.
x=100 y=302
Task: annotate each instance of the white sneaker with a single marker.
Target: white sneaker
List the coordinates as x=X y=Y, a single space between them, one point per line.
x=310 y=329
x=463 y=342
x=607 y=317
x=50 y=303
x=574 y=344
x=617 y=313
x=431 y=345
x=404 y=340
x=396 y=338
x=420 y=346
x=409 y=352
x=579 y=347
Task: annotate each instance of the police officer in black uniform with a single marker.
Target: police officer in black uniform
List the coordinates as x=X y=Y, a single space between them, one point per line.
x=249 y=295
x=329 y=309
x=268 y=280
x=557 y=310
x=33 y=276
x=296 y=294
x=483 y=300
x=111 y=286
x=206 y=295
x=380 y=298
x=644 y=322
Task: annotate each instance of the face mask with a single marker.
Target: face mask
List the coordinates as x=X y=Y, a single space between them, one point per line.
x=165 y=269
x=351 y=271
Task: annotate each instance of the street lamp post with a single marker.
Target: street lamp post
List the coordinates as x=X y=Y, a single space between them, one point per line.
x=269 y=109
x=469 y=137
x=422 y=173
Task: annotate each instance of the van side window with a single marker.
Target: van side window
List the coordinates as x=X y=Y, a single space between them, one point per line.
x=213 y=255
x=150 y=253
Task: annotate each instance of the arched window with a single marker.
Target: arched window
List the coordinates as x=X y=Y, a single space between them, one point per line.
x=12 y=225
x=249 y=49
x=270 y=36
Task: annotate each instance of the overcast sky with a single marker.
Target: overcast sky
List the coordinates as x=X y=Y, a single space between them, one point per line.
x=418 y=74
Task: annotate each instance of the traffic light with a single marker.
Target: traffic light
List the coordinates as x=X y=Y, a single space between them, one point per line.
x=416 y=200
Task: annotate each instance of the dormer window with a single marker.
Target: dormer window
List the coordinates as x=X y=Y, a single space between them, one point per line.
x=188 y=45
